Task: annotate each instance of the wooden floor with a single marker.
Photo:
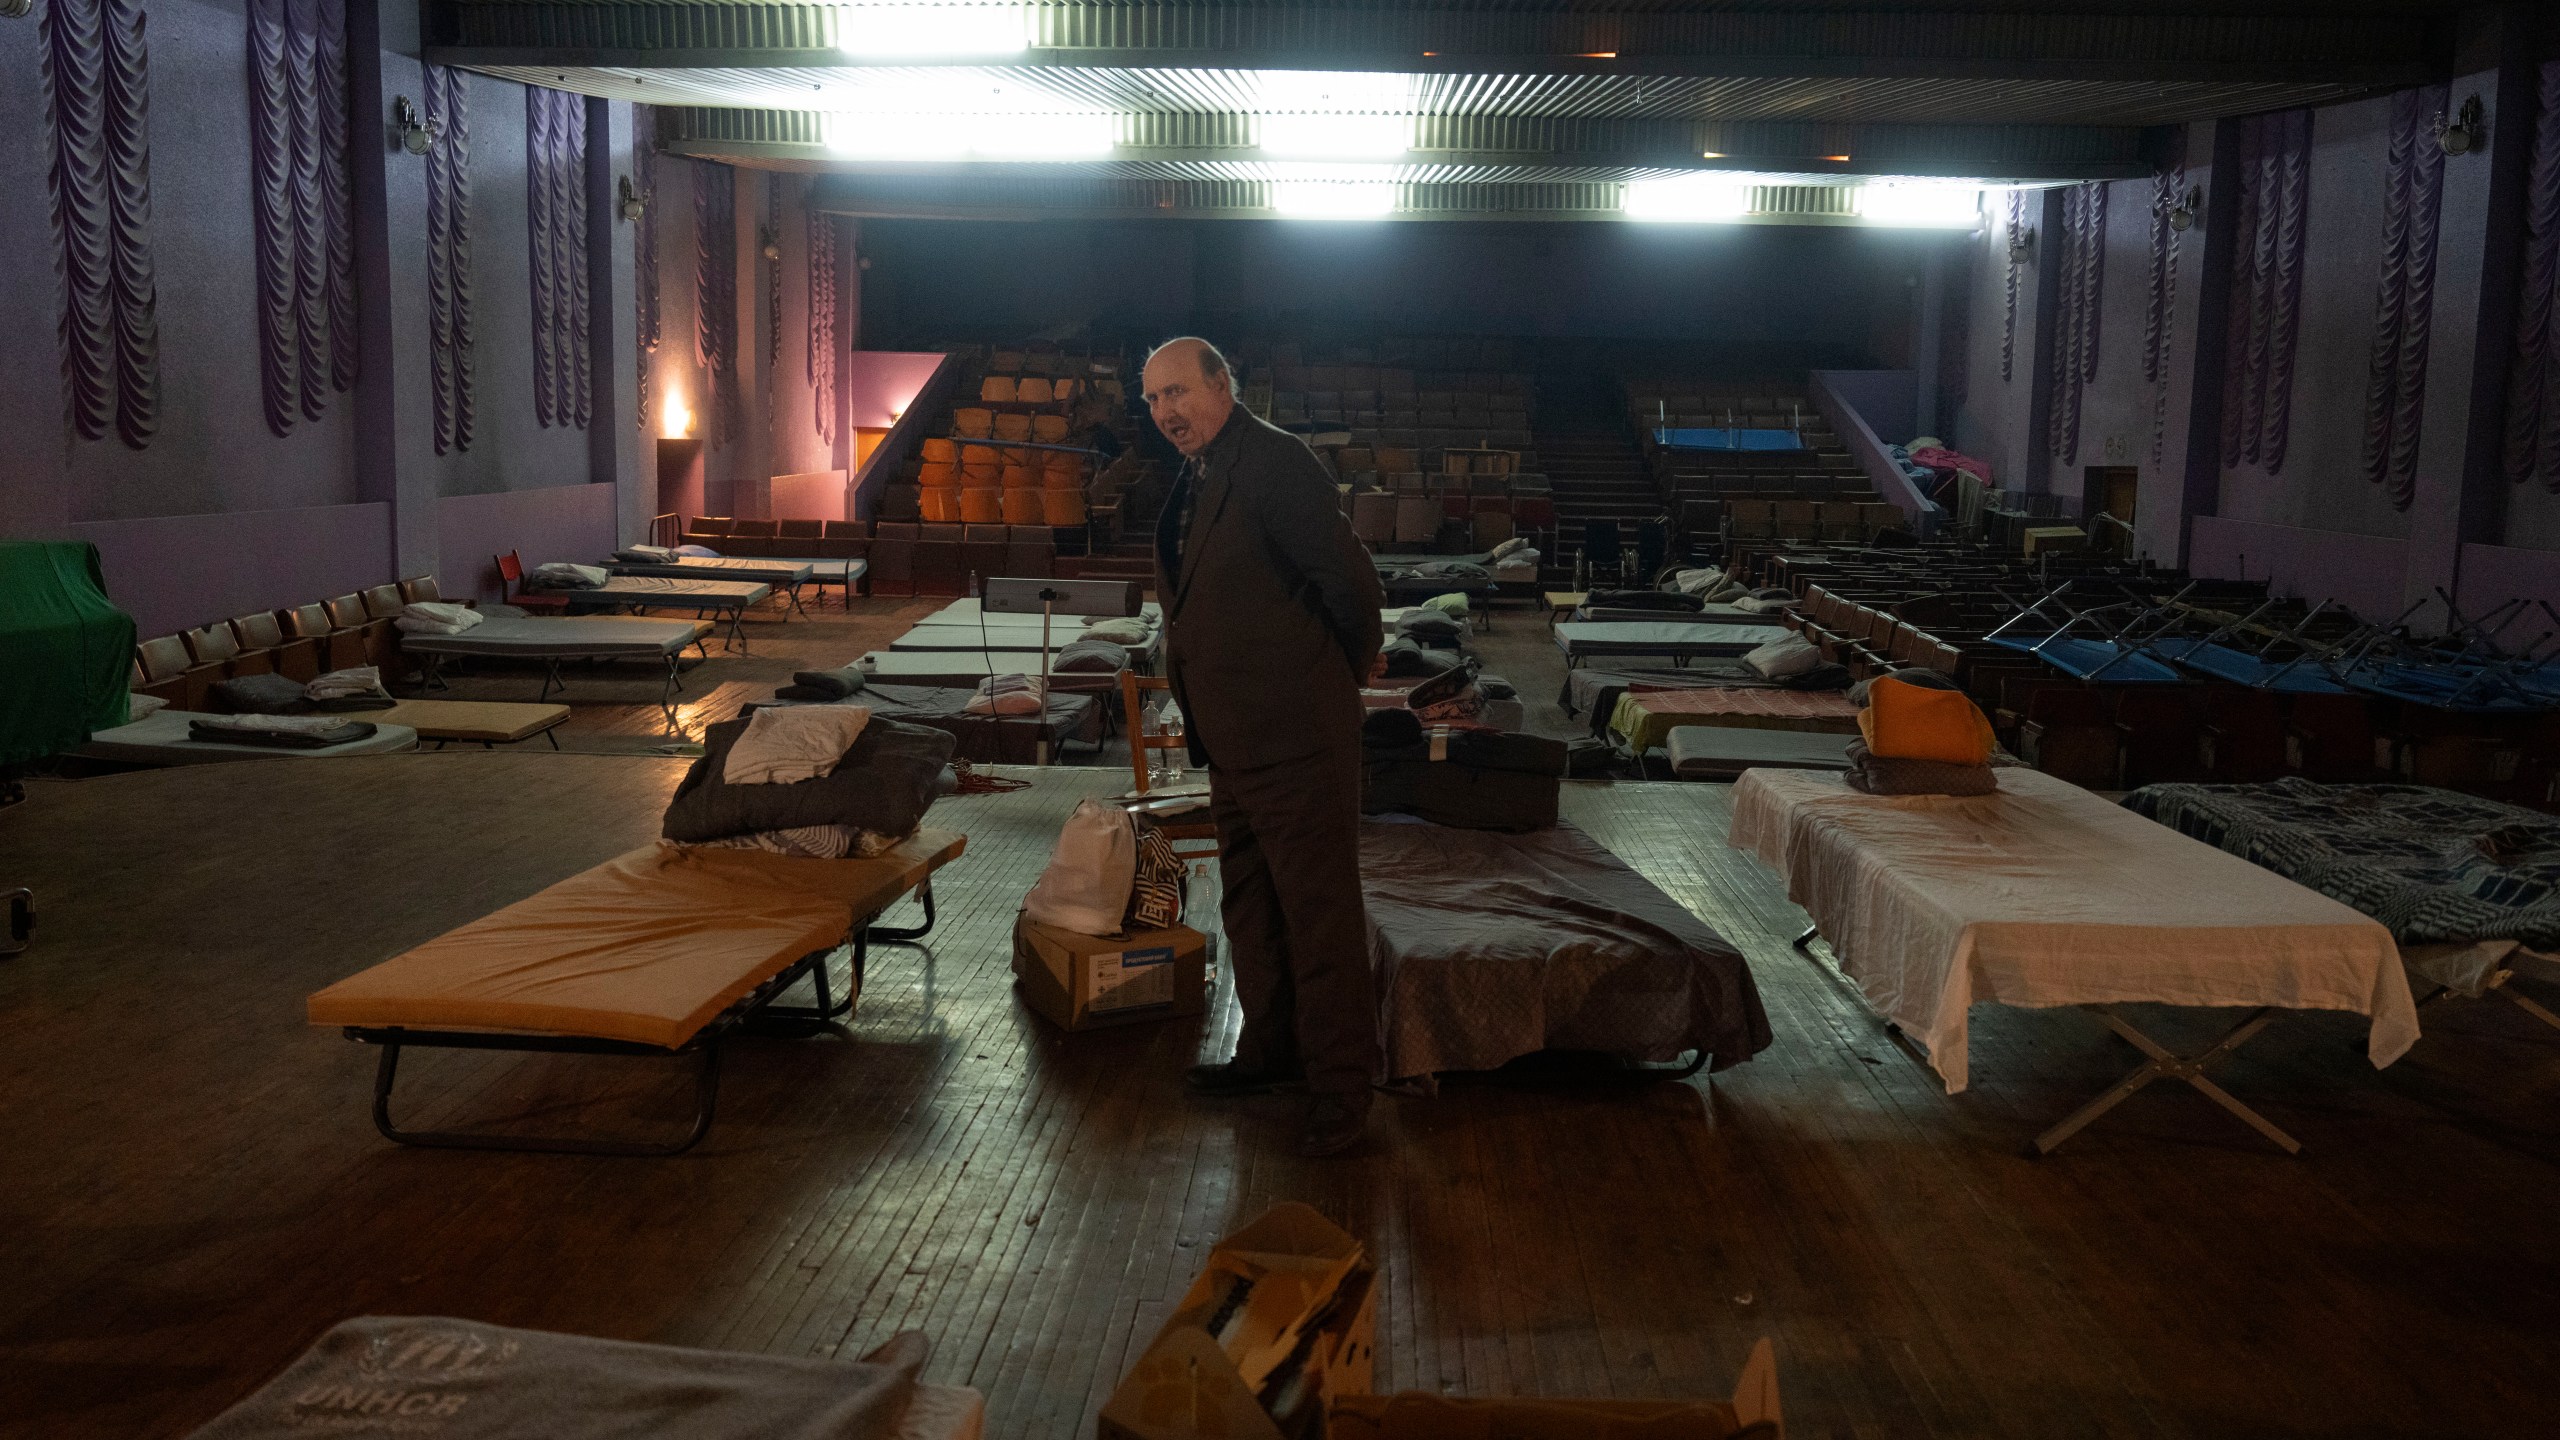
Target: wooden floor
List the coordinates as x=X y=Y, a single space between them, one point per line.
x=190 y=1189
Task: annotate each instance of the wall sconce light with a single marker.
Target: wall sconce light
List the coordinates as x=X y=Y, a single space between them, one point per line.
x=769 y=242
x=2184 y=209
x=634 y=205
x=2460 y=133
x=414 y=133
x=2022 y=245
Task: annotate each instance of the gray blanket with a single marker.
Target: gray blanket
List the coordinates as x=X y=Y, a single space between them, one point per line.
x=1491 y=946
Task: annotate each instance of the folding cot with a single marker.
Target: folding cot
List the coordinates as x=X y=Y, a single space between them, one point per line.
x=959 y=638
x=1678 y=641
x=664 y=950
x=2042 y=894
x=162 y=738
x=1644 y=718
x=553 y=638
x=485 y=723
x=786 y=576
x=1723 y=752
x=729 y=598
x=965 y=669
x=1490 y=946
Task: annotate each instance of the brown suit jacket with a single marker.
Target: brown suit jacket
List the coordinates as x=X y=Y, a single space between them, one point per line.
x=1271 y=603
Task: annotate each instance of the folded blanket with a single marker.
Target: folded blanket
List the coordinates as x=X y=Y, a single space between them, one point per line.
x=784 y=745
x=1786 y=656
x=436 y=617
x=561 y=575
x=1696 y=582
x=884 y=785
x=1008 y=695
x=1913 y=719
x=1876 y=775
x=1091 y=656
x=1433 y=628
x=1125 y=632
x=292 y=732
x=1450 y=604
x=1405 y=656
x=824 y=684
x=257 y=695
x=338 y=684
x=812 y=842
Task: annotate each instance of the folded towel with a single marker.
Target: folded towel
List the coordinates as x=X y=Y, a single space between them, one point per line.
x=1008 y=695
x=825 y=684
x=1881 y=775
x=1907 y=719
x=786 y=744
x=436 y=617
x=561 y=575
x=338 y=684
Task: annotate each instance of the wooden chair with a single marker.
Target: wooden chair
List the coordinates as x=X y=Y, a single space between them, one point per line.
x=1195 y=834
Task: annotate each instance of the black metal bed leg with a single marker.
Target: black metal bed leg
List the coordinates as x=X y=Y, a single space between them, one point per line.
x=896 y=934
x=706 y=1101
x=1805 y=941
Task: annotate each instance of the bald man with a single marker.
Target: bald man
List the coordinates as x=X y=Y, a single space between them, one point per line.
x=1271 y=619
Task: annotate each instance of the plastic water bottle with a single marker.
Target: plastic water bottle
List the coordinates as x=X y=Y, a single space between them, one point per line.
x=1175 y=756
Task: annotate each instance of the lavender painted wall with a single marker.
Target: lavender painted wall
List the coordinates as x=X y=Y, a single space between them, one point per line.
x=1994 y=423
x=559 y=522
x=2362 y=572
x=174 y=572
x=2495 y=574
x=880 y=384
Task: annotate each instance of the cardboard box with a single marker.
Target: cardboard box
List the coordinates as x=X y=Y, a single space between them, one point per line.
x=1752 y=1414
x=1083 y=981
x=1280 y=1323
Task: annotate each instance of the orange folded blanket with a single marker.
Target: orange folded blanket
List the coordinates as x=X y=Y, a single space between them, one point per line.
x=1904 y=721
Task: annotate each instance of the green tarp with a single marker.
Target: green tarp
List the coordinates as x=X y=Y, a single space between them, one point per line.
x=65 y=651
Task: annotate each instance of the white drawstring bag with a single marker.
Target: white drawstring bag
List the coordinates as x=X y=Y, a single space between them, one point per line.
x=1086 y=887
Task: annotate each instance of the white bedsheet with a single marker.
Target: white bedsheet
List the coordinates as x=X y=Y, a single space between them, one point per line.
x=2045 y=894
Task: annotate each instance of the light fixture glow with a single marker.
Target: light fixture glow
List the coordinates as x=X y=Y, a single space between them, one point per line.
x=932 y=30
x=1345 y=137
x=1333 y=199
x=1920 y=204
x=983 y=136
x=675 y=418
x=1333 y=114
x=1688 y=199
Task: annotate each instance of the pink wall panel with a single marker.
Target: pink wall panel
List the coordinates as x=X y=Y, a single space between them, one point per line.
x=178 y=571
x=880 y=383
x=816 y=495
x=564 y=522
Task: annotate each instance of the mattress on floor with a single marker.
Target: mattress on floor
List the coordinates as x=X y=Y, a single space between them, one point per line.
x=1491 y=946
x=563 y=637
x=1719 y=752
x=2436 y=867
x=161 y=738
x=1581 y=639
x=1644 y=719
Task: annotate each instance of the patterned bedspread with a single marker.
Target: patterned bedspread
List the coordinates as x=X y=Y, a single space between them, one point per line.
x=1646 y=718
x=2434 y=866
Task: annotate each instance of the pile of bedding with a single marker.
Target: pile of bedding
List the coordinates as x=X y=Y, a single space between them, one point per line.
x=2434 y=866
x=1919 y=735
x=820 y=781
x=359 y=688
x=561 y=575
x=991 y=739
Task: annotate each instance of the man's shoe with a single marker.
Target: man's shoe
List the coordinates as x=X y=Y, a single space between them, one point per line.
x=1335 y=1123
x=1232 y=1079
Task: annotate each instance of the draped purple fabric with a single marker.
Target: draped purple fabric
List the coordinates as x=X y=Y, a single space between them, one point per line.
x=2533 y=381
x=2160 y=304
x=644 y=247
x=555 y=156
x=2266 y=289
x=307 y=345
x=2009 y=305
x=449 y=337
x=2404 y=305
x=715 y=290
x=96 y=77
x=2074 y=337
x=822 y=324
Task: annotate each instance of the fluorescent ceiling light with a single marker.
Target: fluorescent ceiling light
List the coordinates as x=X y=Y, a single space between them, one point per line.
x=1920 y=204
x=1346 y=137
x=927 y=136
x=1689 y=199
x=1333 y=199
x=933 y=30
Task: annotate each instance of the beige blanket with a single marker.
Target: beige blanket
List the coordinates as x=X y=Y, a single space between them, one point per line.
x=2045 y=894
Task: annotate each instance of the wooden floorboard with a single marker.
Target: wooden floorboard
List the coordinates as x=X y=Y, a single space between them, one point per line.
x=190 y=1189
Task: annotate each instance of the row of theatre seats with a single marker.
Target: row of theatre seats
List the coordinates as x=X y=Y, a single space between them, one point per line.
x=989 y=484
x=794 y=539
x=1882 y=610
x=300 y=643
x=905 y=557
x=1454 y=523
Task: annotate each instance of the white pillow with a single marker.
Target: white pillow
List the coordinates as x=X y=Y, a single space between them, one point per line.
x=1787 y=655
x=145 y=705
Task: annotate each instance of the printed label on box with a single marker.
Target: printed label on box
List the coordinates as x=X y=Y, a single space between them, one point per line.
x=1133 y=979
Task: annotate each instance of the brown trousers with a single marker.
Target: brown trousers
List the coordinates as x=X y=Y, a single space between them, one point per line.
x=1290 y=869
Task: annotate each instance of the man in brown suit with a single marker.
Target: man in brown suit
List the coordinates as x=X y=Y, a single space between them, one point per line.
x=1271 y=619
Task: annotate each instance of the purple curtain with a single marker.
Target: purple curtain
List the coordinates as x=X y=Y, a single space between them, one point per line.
x=448 y=171
x=2404 y=306
x=822 y=324
x=2160 y=305
x=2533 y=382
x=2073 y=337
x=307 y=344
x=644 y=247
x=2017 y=234
x=96 y=78
x=715 y=290
x=772 y=235
x=555 y=165
x=2266 y=288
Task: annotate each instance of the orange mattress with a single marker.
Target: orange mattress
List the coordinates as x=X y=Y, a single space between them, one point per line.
x=648 y=947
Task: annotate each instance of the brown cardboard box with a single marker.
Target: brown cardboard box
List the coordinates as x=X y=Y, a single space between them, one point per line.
x=1280 y=1323
x=1083 y=981
x=1752 y=1414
